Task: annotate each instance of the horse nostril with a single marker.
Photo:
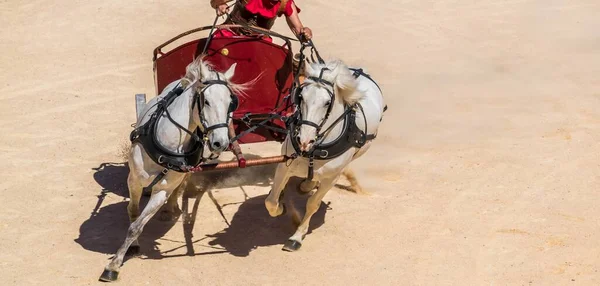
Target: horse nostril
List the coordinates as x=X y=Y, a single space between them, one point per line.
x=311 y=141
x=216 y=145
x=298 y=139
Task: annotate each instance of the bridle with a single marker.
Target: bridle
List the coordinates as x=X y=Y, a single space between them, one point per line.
x=199 y=98
x=199 y=101
x=329 y=87
x=299 y=121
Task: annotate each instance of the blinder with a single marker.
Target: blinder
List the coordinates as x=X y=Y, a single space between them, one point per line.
x=235 y=102
x=298 y=95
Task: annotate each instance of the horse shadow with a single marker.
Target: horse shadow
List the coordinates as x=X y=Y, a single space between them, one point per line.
x=105 y=230
x=251 y=226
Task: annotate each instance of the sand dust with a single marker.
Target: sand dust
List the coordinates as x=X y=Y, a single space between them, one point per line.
x=485 y=171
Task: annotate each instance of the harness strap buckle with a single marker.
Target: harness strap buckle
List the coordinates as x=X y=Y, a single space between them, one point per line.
x=322 y=153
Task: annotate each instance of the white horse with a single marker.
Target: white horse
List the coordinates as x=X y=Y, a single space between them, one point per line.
x=325 y=95
x=204 y=89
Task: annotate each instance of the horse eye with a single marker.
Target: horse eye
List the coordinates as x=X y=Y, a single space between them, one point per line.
x=206 y=103
x=327 y=103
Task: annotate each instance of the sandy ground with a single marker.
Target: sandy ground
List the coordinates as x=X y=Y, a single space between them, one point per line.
x=485 y=171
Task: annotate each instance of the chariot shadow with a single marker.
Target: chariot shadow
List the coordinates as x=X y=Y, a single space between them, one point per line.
x=251 y=226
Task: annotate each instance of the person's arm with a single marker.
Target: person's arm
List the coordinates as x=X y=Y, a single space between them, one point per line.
x=296 y=26
x=220 y=6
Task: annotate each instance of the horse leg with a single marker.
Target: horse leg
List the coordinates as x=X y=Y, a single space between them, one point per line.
x=157 y=200
x=354 y=185
x=307 y=186
x=171 y=210
x=295 y=241
x=273 y=200
x=349 y=174
x=133 y=208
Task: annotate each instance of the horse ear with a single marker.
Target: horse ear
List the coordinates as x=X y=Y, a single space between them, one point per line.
x=230 y=72
x=204 y=71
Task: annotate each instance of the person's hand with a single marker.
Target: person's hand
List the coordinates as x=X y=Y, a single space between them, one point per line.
x=222 y=9
x=306 y=32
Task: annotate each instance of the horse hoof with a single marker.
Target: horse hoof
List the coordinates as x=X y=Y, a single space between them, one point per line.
x=109 y=276
x=291 y=245
x=133 y=250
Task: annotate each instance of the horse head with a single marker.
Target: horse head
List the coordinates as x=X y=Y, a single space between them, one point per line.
x=215 y=99
x=327 y=89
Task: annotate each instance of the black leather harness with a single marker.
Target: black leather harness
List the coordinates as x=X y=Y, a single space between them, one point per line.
x=351 y=135
x=179 y=162
x=146 y=136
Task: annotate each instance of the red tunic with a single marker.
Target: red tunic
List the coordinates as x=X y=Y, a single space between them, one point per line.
x=267 y=10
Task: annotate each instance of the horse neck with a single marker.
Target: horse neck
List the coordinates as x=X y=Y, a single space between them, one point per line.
x=181 y=110
x=337 y=109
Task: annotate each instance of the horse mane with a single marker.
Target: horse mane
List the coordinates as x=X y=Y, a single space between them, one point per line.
x=342 y=78
x=201 y=70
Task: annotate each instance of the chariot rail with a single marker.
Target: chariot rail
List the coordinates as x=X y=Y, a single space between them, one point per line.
x=158 y=50
x=261 y=113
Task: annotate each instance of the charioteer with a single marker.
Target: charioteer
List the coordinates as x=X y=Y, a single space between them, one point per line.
x=260 y=13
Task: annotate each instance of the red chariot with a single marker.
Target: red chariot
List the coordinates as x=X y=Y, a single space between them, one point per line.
x=261 y=112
